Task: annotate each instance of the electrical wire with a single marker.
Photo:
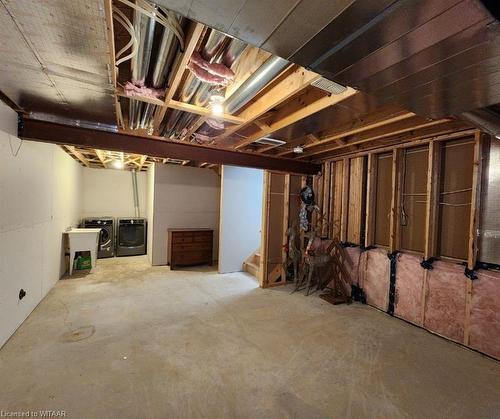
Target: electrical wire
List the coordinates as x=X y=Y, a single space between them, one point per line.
x=125 y=22
x=130 y=29
x=152 y=13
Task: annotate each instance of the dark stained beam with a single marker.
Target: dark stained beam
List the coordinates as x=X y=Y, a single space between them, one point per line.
x=50 y=132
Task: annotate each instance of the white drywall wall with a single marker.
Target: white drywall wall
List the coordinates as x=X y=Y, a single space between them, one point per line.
x=240 y=216
x=150 y=200
x=184 y=197
x=108 y=192
x=39 y=198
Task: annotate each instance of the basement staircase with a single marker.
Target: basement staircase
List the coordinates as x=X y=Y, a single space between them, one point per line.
x=252 y=264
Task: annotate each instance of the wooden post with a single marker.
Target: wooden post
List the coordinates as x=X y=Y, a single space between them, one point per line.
x=345 y=199
x=371 y=196
x=474 y=224
x=286 y=214
x=431 y=214
x=475 y=199
x=337 y=198
x=326 y=199
x=264 y=230
x=395 y=200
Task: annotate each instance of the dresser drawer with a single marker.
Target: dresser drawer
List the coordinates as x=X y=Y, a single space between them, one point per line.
x=178 y=238
x=185 y=247
x=191 y=257
x=190 y=247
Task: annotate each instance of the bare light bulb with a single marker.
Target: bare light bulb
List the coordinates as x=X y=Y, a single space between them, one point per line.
x=118 y=164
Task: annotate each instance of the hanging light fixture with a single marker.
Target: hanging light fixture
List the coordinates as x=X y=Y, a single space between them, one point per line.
x=216 y=104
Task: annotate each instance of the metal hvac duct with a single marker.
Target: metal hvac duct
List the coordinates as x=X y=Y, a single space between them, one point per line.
x=167 y=52
x=216 y=41
x=226 y=56
x=144 y=29
x=256 y=82
x=250 y=87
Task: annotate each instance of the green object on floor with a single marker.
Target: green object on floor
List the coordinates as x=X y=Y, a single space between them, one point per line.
x=83 y=263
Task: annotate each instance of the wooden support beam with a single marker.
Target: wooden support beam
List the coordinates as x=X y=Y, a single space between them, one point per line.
x=266 y=193
x=284 y=89
x=395 y=201
x=194 y=127
x=338 y=134
x=101 y=156
x=432 y=199
x=108 y=9
x=445 y=133
x=78 y=155
x=345 y=199
x=185 y=107
x=474 y=225
x=400 y=127
x=371 y=195
x=326 y=199
x=337 y=169
x=355 y=207
x=295 y=111
x=50 y=132
x=475 y=199
x=431 y=215
x=205 y=112
x=142 y=160
x=193 y=35
x=286 y=215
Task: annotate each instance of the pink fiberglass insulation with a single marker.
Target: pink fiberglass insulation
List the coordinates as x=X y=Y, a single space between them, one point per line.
x=376 y=278
x=445 y=300
x=484 y=326
x=353 y=269
x=409 y=279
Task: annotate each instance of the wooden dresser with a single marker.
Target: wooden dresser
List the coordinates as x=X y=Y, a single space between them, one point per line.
x=189 y=246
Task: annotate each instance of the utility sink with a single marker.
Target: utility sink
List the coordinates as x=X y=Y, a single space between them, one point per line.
x=82 y=240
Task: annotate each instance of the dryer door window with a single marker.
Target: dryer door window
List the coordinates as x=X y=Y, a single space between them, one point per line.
x=131 y=235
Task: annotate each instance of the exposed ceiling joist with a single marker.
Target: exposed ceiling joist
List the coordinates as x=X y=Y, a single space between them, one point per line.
x=101 y=156
x=194 y=34
x=447 y=131
x=78 y=155
x=396 y=128
x=295 y=111
x=338 y=134
x=37 y=130
x=181 y=106
x=299 y=79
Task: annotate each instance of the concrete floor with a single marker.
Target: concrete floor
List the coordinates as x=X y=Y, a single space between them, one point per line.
x=131 y=341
